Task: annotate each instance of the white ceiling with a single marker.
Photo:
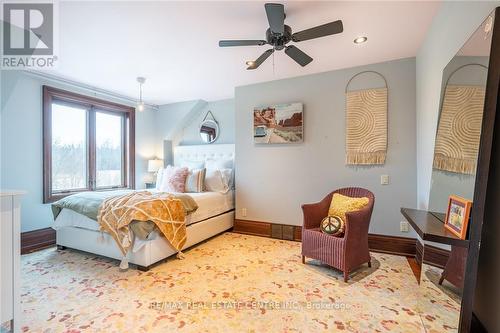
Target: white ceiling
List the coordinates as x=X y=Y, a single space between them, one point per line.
x=175 y=44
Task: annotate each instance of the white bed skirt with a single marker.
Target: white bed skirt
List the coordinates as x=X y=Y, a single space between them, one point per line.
x=155 y=250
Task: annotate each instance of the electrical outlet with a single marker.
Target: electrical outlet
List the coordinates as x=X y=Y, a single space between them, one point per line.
x=403 y=226
x=384 y=180
x=244 y=212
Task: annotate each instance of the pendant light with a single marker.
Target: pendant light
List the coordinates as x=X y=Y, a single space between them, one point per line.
x=140 y=104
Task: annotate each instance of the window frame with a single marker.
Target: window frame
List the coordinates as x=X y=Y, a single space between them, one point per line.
x=92 y=105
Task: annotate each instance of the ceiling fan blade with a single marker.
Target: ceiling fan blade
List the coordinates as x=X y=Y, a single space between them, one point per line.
x=226 y=43
x=296 y=54
x=260 y=59
x=276 y=17
x=328 y=29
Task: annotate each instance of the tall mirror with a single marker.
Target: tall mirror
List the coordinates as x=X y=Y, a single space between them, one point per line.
x=456 y=148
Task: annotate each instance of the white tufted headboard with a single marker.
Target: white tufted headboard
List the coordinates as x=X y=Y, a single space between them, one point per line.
x=203 y=152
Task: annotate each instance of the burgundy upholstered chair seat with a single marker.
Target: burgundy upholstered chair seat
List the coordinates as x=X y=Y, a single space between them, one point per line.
x=344 y=253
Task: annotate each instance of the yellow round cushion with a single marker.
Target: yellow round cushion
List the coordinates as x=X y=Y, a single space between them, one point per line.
x=342 y=204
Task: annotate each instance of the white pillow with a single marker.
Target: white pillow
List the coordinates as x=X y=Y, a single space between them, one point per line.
x=219 y=175
x=191 y=165
x=214 y=181
x=219 y=180
x=228 y=178
x=213 y=164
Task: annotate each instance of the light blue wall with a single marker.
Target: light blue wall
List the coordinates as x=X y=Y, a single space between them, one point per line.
x=180 y=122
x=21 y=143
x=223 y=112
x=274 y=180
x=171 y=118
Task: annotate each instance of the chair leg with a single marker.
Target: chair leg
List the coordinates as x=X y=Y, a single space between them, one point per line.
x=441 y=279
x=346 y=276
x=303 y=259
x=370 y=264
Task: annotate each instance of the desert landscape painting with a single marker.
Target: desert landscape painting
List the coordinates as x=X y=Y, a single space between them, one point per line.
x=281 y=123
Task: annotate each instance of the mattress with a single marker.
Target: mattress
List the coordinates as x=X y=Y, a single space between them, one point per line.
x=209 y=204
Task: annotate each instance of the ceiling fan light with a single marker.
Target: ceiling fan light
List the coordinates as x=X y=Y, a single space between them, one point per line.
x=140 y=106
x=360 y=40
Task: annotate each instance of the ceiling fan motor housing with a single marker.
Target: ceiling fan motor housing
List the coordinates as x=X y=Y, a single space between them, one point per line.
x=279 y=34
x=279 y=40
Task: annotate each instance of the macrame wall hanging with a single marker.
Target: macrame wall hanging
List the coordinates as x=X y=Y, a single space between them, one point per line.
x=459 y=127
x=366 y=124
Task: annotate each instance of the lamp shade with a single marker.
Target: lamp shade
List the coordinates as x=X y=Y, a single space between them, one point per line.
x=155 y=165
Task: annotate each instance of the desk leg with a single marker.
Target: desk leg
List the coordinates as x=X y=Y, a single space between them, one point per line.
x=454 y=271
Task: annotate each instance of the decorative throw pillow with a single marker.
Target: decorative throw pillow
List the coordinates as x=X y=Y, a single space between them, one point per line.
x=214 y=181
x=195 y=181
x=342 y=204
x=333 y=225
x=174 y=179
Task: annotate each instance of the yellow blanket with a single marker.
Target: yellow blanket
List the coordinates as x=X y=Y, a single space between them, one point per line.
x=164 y=210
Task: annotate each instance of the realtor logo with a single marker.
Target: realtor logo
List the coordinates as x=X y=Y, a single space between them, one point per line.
x=28 y=35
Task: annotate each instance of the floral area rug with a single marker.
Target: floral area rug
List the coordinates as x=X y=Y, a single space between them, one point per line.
x=231 y=283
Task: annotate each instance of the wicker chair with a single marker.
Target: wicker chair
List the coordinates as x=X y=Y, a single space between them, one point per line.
x=344 y=253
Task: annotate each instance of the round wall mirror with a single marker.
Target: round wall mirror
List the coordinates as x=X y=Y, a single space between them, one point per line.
x=209 y=131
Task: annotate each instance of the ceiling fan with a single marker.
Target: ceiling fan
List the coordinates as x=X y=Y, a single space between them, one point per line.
x=278 y=35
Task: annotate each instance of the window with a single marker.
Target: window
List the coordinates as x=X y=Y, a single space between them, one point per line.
x=87 y=144
x=69 y=147
x=109 y=149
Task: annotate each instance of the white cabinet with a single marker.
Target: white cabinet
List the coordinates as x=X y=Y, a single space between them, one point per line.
x=10 y=257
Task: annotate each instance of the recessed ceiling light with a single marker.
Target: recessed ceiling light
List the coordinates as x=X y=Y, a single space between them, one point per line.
x=360 y=40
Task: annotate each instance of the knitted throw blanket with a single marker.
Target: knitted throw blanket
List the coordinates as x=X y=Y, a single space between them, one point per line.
x=165 y=210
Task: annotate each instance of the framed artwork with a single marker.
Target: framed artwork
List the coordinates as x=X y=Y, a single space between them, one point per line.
x=457 y=216
x=282 y=123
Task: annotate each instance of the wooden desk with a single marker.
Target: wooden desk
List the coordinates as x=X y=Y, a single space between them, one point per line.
x=430 y=227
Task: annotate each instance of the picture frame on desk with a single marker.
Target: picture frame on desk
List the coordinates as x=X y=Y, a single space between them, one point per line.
x=457 y=215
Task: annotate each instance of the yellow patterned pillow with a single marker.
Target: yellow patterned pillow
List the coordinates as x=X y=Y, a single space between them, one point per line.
x=341 y=204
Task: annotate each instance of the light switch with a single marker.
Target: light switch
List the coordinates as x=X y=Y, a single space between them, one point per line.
x=384 y=180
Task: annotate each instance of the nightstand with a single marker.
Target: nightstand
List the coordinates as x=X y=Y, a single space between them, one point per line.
x=150 y=185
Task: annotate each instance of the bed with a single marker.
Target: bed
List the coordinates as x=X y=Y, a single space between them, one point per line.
x=215 y=215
